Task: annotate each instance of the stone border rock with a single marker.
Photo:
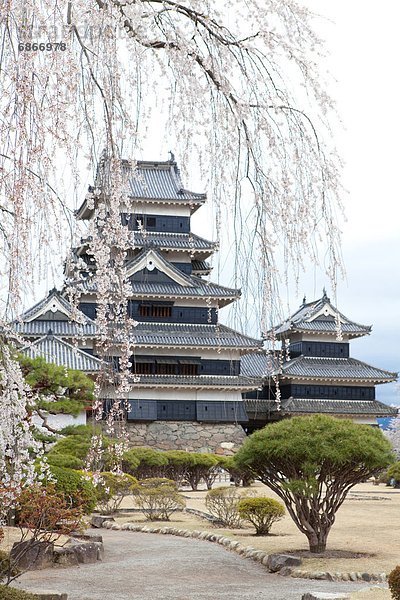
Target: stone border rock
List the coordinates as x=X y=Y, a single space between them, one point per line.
x=248 y=552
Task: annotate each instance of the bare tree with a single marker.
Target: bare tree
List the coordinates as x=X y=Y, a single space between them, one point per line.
x=238 y=84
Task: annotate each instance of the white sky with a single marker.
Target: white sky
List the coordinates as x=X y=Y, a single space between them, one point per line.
x=364 y=46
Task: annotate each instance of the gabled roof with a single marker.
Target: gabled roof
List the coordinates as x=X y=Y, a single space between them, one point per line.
x=149 y=181
x=54 y=312
x=55 y=350
x=168 y=290
x=345 y=369
x=171 y=335
x=150 y=259
x=320 y=316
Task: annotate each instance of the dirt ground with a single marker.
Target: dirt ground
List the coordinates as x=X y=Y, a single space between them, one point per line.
x=368 y=523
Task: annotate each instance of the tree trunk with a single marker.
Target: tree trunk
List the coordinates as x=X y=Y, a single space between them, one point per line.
x=317 y=542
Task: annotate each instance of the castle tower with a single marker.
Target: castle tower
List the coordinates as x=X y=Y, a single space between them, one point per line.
x=318 y=375
x=186 y=383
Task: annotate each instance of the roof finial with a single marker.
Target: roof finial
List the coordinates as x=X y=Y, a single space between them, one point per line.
x=325 y=295
x=171 y=156
x=49 y=333
x=304 y=300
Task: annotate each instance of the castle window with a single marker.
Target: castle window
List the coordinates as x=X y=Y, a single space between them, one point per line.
x=155 y=310
x=166 y=366
x=143 y=365
x=189 y=369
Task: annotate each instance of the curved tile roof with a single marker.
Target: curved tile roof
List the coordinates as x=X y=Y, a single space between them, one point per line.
x=315 y=405
x=154 y=181
x=311 y=318
x=165 y=289
x=198 y=381
x=334 y=368
x=71 y=323
x=260 y=364
x=191 y=336
x=172 y=241
x=58 y=328
x=342 y=407
x=159 y=180
x=56 y=351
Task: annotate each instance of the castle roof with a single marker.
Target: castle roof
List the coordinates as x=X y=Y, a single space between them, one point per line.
x=260 y=364
x=303 y=406
x=197 y=381
x=313 y=368
x=174 y=284
x=56 y=313
x=338 y=369
x=320 y=316
x=55 y=350
x=197 y=246
x=150 y=181
x=171 y=335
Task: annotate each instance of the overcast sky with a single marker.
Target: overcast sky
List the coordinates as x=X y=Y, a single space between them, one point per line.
x=364 y=46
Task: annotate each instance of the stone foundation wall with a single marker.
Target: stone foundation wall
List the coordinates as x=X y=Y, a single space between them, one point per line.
x=220 y=438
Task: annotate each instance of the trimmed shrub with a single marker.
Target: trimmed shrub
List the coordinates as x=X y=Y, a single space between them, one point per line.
x=177 y=465
x=77 y=443
x=199 y=467
x=10 y=593
x=144 y=463
x=222 y=503
x=239 y=475
x=78 y=491
x=112 y=489
x=65 y=461
x=158 y=498
x=394 y=583
x=261 y=512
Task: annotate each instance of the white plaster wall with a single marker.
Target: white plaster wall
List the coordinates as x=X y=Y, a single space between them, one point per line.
x=138 y=393
x=61 y=421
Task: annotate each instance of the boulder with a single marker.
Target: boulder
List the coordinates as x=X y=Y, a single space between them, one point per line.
x=276 y=562
x=32 y=554
x=90 y=537
x=65 y=557
x=97 y=521
x=87 y=552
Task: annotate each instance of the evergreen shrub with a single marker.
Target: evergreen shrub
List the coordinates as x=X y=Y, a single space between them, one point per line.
x=77 y=489
x=10 y=593
x=144 y=463
x=261 y=512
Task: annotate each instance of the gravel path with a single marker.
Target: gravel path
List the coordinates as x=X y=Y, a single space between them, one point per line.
x=162 y=567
